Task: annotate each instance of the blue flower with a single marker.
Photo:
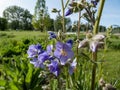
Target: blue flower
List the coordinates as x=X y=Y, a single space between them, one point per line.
x=69 y=12
x=46 y=55
x=43 y=57
x=34 y=50
x=54 y=67
x=72 y=66
x=39 y=56
x=69 y=43
x=94 y=3
x=52 y=35
x=63 y=52
x=37 y=63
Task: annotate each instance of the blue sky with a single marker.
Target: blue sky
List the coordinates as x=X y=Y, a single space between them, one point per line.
x=110 y=15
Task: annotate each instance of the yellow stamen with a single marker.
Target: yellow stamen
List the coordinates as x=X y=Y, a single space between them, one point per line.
x=63 y=52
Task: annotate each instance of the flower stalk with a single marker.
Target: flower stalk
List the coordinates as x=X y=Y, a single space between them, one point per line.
x=96 y=26
x=94 y=54
x=63 y=14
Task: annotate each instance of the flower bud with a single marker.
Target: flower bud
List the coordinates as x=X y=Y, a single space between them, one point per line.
x=73 y=4
x=75 y=9
x=89 y=35
x=102 y=82
x=109 y=87
x=80 y=6
x=61 y=35
x=54 y=10
x=69 y=12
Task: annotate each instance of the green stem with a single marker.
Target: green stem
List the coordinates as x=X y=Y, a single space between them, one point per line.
x=94 y=57
x=78 y=32
x=77 y=43
x=96 y=26
x=59 y=83
x=94 y=54
x=67 y=79
x=63 y=16
x=66 y=3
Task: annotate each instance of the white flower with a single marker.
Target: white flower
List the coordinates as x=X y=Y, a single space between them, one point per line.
x=93 y=45
x=93 y=41
x=98 y=37
x=83 y=43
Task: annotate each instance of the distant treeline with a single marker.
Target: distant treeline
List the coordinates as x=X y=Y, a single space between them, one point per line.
x=18 y=18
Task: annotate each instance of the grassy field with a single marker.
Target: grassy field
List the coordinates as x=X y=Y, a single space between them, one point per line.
x=111 y=66
x=18 y=35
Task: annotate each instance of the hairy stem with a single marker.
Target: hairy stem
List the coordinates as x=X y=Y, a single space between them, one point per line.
x=96 y=26
x=94 y=54
x=63 y=16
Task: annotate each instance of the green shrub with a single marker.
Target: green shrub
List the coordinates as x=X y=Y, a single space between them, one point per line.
x=3 y=34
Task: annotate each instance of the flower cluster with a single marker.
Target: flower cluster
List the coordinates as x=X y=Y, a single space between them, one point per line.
x=94 y=41
x=54 y=57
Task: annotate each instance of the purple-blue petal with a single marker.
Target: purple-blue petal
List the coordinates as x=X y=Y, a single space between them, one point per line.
x=43 y=57
x=63 y=52
x=34 y=50
x=72 y=67
x=52 y=35
x=69 y=12
x=49 y=49
x=69 y=43
x=37 y=63
x=94 y=3
x=54 y=68
x=57 y=53
x=63 y=60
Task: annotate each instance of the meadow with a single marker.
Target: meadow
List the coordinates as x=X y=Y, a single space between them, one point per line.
x=14 y=46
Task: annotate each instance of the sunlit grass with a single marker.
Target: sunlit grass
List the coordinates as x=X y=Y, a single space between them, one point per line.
x=111 y=66
x=17 y=35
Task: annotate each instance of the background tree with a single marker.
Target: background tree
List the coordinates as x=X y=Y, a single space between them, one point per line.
x=102 y=28
x=27 y=20
x=41 y=17
x=3 y=24
x=58 y=23
x=17 y=17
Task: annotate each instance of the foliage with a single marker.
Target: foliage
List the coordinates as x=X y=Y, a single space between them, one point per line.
x=58 y=23
x=18 y=17
x=41 y=19
x=3 y=24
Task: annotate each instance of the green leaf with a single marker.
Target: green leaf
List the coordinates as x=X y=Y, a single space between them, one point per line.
x=2 y=82
x=29 y=74
x=13 y=86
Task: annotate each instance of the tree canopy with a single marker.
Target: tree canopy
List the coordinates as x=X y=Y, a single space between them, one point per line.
x=3 y=23
x=18 y=18
x=41 y=19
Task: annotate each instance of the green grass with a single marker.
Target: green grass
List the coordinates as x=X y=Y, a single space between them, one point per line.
x=18 y=35
x=111 y=66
